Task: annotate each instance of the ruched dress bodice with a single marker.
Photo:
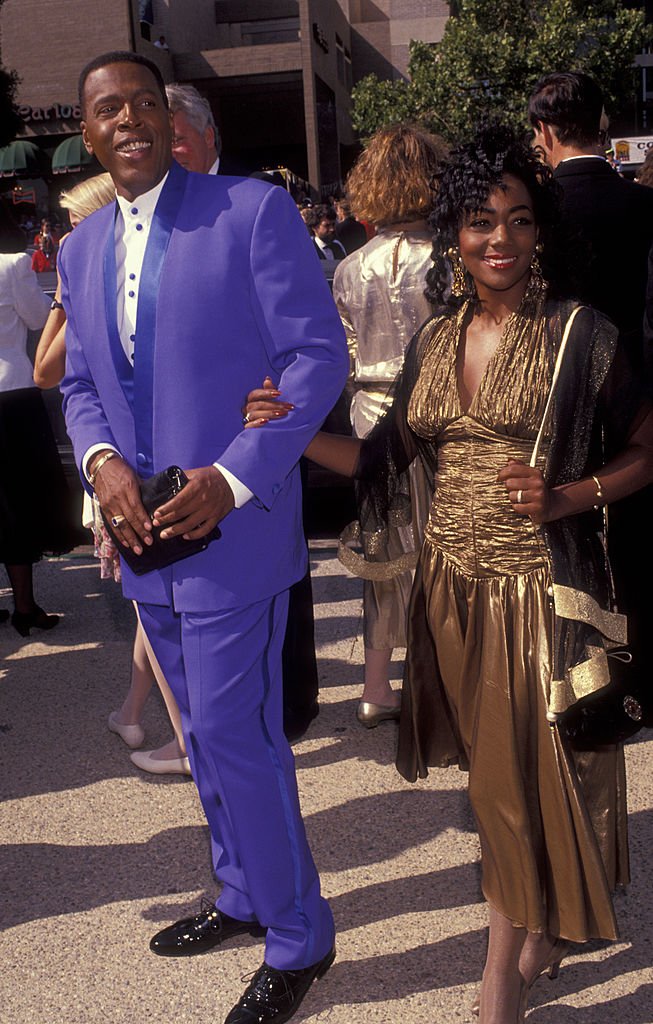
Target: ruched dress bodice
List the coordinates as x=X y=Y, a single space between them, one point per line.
x=472 y=520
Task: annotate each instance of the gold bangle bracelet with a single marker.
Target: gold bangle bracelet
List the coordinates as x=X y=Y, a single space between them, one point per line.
x=599 y=490
x=98 y=466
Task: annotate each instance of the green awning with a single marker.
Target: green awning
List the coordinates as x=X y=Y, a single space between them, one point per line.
x=20 y=157
x=70 y=155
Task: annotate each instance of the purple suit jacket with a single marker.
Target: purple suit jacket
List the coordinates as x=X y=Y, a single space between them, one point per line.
x=231 y=305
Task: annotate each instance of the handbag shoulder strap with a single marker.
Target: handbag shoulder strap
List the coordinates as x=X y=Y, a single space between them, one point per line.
x=554 y=381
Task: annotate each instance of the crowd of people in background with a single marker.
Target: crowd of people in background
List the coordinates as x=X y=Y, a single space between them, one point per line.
x=469 y=285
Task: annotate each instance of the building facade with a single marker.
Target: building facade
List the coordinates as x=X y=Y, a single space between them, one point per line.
x=278 y=73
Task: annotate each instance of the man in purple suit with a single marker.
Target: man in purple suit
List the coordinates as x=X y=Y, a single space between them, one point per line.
x=179 y=299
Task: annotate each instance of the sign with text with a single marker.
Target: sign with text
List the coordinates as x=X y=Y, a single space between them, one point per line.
x=632 y=150
x=57 y=112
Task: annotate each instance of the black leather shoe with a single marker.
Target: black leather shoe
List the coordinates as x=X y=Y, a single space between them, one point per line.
x=273 y=996
x=199 y=934
x=297 y=720
x=23 y=621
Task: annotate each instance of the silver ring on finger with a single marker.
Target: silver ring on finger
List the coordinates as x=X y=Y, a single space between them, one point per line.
x=520 y=497
x=117 y=520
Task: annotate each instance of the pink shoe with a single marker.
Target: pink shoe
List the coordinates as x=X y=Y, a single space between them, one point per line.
x=157 y=766
x=132 y=735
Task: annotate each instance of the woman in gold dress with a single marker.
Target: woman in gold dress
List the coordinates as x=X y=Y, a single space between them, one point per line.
x=511 y=615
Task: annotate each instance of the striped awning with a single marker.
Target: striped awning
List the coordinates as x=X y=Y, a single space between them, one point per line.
x=20 y=157
x=70 y=155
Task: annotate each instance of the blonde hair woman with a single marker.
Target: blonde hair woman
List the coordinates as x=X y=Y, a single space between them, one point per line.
x=80 y=201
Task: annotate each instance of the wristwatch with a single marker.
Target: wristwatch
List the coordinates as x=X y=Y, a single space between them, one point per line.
x=56 y=305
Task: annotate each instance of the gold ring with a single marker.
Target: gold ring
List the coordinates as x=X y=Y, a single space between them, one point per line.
x=520 y=497
x=117 y=520
x=246 y=418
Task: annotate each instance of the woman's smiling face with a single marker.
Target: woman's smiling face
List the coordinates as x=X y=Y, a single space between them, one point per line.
x=497 y=242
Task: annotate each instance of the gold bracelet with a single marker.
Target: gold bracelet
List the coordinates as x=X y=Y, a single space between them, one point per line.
x=99 y=464
x=599 y=490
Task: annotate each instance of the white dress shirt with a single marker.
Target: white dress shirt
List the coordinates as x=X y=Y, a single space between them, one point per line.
x=23 y=306
x=329 y=253
x=131 y=232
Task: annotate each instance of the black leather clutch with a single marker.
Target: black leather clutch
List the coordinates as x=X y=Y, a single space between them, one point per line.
x=155 y=491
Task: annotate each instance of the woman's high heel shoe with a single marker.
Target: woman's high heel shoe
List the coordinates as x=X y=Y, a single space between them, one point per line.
x=550 y=967
x=370 y=715
x=23 y=621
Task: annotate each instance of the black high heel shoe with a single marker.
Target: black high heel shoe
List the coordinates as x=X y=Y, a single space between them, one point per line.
x=23 y=621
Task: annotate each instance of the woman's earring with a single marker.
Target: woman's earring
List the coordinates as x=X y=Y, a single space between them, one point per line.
x=536 y=267
x=537 y=283
x=458 y=283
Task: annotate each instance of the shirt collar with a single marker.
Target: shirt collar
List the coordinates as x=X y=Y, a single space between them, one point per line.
x=322 y=244
x=144 y=205
x=213 y=169
x=584 y=156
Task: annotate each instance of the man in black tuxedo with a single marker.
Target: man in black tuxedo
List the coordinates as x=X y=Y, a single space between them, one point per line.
x=614 y=217
x=350 y=232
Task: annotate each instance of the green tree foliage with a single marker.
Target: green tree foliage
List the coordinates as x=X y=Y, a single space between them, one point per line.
x=492 y=54
x=10 y=123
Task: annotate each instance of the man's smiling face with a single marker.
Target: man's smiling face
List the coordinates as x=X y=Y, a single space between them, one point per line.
x=127 y=126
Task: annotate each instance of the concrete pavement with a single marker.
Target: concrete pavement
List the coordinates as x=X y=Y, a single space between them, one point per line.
x=96 y=856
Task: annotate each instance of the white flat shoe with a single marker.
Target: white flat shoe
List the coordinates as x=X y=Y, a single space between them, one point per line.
x=174 y=766
x=132 y=735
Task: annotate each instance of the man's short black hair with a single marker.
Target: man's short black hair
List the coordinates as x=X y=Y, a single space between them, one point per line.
x=119 y=57
x=571 y=103
x=324 y=211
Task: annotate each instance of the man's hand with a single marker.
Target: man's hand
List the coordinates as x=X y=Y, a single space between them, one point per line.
x=205 y=500
x=118 y=491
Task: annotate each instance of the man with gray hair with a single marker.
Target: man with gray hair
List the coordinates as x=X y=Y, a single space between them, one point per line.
x=196 y=143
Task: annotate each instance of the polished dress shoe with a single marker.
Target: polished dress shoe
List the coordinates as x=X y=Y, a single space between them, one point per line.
x=274 y=996
x=132 y=735
x=297 y=720
x=158 y=766
x=24 y=621
x=199 y=934
x=370 y=715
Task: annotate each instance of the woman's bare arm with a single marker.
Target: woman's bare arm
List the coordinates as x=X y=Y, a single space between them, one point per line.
x=50 y=358
x=336 y=452
x=626 y=473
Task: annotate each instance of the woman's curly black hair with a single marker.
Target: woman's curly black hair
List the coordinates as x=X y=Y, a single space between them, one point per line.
x=473 y=171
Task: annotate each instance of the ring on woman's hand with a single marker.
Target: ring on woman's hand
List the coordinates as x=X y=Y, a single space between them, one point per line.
x=520 y=497
x=245 y=418
x=117 y=520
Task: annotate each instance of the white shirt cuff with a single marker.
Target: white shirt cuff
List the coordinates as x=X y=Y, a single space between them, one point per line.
x=93 y=450
x=241 y=493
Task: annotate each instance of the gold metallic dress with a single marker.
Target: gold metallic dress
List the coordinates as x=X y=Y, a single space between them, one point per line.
x=552 y=823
